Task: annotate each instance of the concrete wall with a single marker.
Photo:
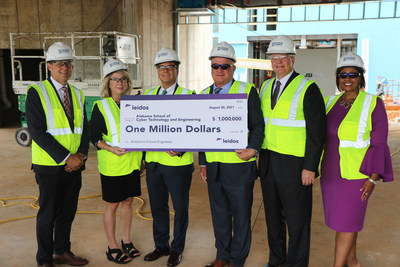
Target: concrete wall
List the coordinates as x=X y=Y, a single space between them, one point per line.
x=195 y=44
x=155 y=25
x=57 y=16
x=152 y=20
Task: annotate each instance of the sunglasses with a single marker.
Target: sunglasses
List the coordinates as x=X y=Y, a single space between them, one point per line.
x=223 y=66
x=122 y=79
x=351 y=75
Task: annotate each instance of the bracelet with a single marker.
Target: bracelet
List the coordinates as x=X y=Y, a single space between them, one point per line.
x=372 y=181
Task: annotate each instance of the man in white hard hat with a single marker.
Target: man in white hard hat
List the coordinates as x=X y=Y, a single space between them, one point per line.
x=230 y=175
x=295 y=127
x=168 y=172
x=55 y=113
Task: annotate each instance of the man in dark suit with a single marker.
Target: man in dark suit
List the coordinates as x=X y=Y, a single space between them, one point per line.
x=295 y=128
x=168 y=173
x=56 y=118
x=230 y=175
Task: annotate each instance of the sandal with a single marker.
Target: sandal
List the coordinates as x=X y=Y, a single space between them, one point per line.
x=120 y=258
x=130 y=249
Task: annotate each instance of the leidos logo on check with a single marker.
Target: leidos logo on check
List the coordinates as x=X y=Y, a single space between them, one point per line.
x=228 y=140
x=137 y=107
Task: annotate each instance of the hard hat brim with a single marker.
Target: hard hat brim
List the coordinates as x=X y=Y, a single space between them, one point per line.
x=233 y=59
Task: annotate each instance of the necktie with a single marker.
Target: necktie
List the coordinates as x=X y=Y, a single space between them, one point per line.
x=65 y=100
x=217 y=90
x=164 y=92
x=275 y=94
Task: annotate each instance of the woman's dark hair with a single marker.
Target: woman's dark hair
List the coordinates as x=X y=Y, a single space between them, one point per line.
x=359 y=70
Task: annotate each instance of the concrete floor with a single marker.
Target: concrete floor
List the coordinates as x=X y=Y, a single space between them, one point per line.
x=378 y=243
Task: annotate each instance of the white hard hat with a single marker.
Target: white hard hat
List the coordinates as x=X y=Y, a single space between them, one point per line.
x=113 y=65
x=281 y=45
x=166 y=55
x=350 y=60
x=223 y=49
x=59 y=51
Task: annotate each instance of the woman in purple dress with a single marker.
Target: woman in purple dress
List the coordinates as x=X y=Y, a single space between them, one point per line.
x=356 y=156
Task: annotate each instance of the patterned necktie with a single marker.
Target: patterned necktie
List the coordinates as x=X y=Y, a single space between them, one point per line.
x=275 y=94
x=65 y=100
x=217 y=90
x=164 y=92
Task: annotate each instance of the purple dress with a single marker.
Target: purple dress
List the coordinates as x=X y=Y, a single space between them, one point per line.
x=344 y=210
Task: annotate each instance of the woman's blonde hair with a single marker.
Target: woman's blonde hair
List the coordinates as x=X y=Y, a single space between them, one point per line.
x=106 y=92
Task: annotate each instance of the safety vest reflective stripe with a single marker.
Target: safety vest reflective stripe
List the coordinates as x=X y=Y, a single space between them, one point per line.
x=360 y=143
x=295 y=100
x=179 y=90
x=287 y=123
x=50 y=114
x=152 y=91
x=265 y=88
x=185 y=91
x=329 y=101
x=113 y=124
x=242 y=88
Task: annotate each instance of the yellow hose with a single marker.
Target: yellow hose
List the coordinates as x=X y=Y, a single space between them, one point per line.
x=36 y=206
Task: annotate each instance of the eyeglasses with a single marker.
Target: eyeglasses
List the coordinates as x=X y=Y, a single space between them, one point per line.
x=166 y=67
x=61 y=64
x=223 y=66
x=283 y=58
x=351 y=75
x=122 y=80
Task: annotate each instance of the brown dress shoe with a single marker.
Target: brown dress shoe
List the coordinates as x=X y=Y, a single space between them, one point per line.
x=47 y=265
x=218 y=263
x=69 y=258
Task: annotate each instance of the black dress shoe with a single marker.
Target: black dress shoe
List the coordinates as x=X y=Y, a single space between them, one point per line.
x=47 y=265
x=156 y=254
x=174 y=258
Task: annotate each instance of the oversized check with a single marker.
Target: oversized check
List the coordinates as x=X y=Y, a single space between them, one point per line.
x=184 y=122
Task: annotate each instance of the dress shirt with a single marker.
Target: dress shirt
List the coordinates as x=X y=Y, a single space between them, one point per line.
x=225 y=88
x=283 y=81
x=58 y=86
x=170 y=90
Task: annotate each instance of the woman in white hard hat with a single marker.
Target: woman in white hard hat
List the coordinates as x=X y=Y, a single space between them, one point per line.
x=356 y=156
x=119 y=169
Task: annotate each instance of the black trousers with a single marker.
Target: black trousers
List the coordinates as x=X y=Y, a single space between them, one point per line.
x=161 y=181
x=230 y=189
x=58 y=202
x=286 y=202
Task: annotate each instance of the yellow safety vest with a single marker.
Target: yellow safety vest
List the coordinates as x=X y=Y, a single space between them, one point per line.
x=179 y=91
x=229 y=157
x=285 y=126
x=57 y=122
x=354 y=133
x=108 y=163
x=163 y=157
